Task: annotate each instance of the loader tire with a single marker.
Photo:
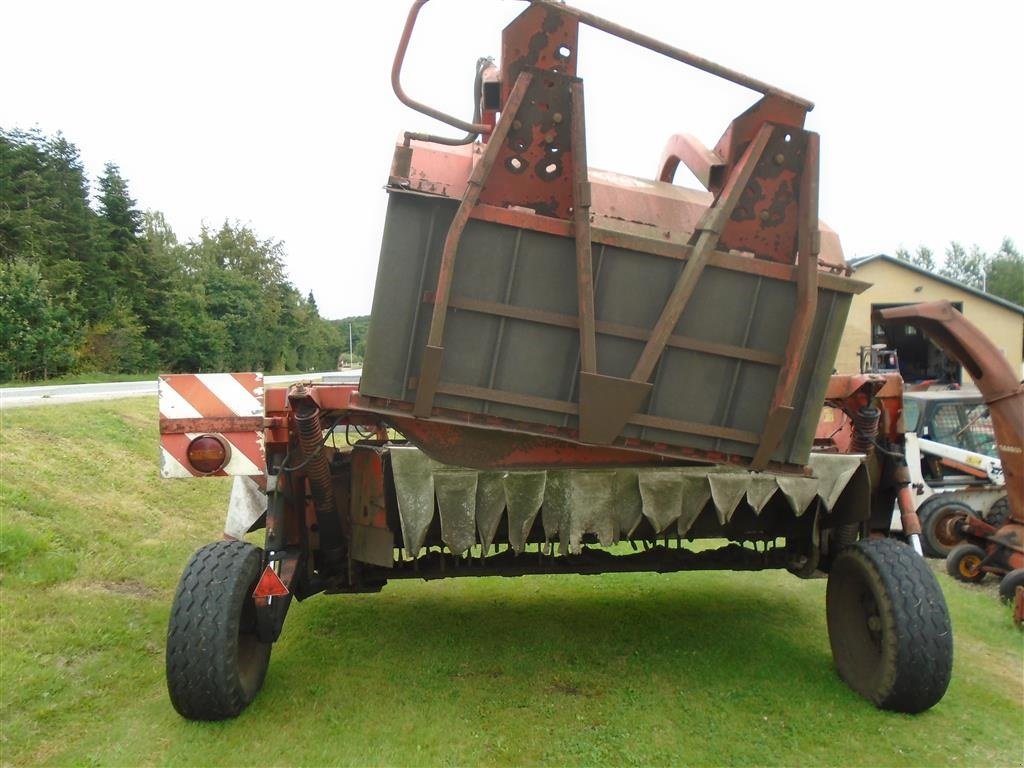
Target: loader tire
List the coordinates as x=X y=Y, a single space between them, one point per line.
x=999 y=512
x=963 y=561
x=215 y=661
x=888 y=626
x=938 y=525
x=1008 y=586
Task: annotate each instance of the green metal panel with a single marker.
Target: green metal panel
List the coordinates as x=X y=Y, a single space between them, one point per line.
x=535 y=271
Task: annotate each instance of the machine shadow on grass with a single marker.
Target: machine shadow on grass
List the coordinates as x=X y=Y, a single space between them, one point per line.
x=583 y=640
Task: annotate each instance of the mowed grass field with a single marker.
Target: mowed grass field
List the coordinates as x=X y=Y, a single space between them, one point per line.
x=682 y=669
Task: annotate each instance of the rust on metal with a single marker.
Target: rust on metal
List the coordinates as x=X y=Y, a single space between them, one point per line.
x=541 y=37
x=460 y=438
x=175 y=426
x=536 y=160
x=806 y=306
x=766 y=218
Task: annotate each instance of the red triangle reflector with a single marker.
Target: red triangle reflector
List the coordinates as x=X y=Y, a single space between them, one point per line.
x=270 y=585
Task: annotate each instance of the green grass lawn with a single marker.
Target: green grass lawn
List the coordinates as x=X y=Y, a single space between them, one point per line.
x=647 y=669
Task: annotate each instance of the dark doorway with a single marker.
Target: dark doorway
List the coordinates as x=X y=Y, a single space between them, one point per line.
x=919 y=358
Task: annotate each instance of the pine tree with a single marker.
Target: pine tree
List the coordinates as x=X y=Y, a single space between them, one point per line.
x=1004 y=273
x=120 y=230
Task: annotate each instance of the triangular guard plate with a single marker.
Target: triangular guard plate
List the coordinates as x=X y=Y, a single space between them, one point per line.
x=606 y=403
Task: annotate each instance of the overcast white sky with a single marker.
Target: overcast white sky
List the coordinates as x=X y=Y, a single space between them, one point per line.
x=281 y=115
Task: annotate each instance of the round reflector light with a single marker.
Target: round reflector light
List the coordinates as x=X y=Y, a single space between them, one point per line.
x=208 y=453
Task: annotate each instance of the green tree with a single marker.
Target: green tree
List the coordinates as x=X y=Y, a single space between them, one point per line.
x=120 y=275
x=922 y=257
x=243 y=277
x=131 y=297
x=194 y=342
x=38 y=338
x=1004 y=273
x=160 y=264
x=45 y=216
x=360 y=327
x=964 y=267
x=118 y=344
x=77 y=243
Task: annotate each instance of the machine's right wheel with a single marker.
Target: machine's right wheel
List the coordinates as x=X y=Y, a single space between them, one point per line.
x=1008 y=586
x=888 y=625
x=938 y=525
x=963 y=563
x=215 y=661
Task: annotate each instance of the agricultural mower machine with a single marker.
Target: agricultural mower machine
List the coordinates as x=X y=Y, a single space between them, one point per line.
x=562 y=359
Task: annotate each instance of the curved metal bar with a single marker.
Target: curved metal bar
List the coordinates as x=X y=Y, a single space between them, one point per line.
x=396 y=84
x=705 y=65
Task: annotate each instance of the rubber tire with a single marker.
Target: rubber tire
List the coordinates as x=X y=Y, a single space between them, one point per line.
x=961 y=560
x=888 y=626
x=933 y=518
x=1008 y=586
x=215 y=662
x=999 y=512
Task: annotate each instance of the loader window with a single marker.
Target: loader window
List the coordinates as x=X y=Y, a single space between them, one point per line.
x=911 y=414
x=963 y=425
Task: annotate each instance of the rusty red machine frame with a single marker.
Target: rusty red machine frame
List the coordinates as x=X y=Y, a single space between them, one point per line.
x=349 y=518
x=530 y=172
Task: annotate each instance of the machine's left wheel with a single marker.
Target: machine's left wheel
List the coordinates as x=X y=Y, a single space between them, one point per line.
x=889 y=626
x=963 y=563
x=215 y=660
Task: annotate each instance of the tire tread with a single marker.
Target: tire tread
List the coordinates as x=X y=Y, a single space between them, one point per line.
x=201 y=657
x=917 y=658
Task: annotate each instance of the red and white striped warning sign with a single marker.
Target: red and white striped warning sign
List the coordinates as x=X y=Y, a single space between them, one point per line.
x=228 y=405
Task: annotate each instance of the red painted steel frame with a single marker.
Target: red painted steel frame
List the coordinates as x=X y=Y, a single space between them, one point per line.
x=481 y=442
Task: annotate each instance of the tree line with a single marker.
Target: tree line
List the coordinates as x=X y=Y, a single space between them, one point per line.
x=999 y=274
x=90 y=283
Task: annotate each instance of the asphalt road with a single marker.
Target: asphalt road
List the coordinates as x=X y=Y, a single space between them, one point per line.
x=20 y=397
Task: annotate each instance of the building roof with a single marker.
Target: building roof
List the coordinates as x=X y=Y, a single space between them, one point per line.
x=856 y=263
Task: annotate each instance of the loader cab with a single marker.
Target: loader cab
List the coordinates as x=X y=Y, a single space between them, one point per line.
x=959 y=419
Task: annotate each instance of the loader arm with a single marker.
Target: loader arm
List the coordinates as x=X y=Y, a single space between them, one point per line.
x=996 y=381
